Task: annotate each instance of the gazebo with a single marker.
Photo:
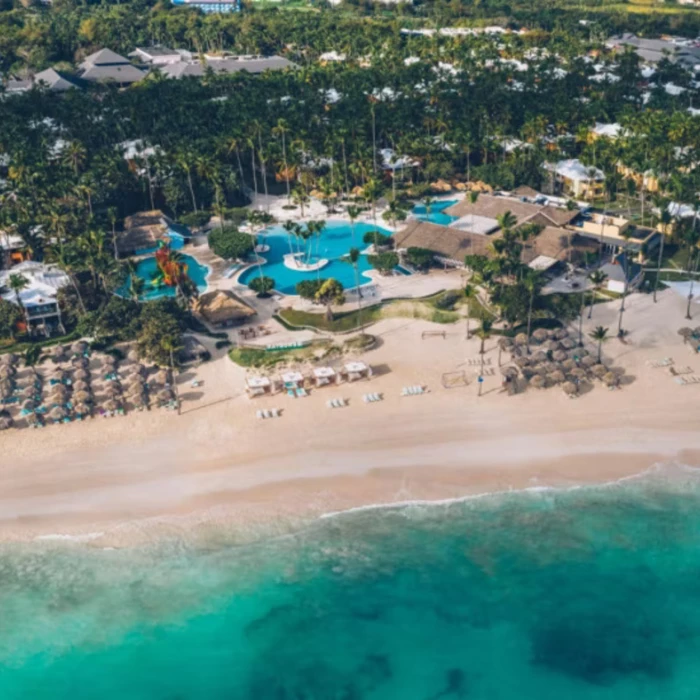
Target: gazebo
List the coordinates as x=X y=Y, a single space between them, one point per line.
x=325 y=375
x=357 y=370
x=258 y=386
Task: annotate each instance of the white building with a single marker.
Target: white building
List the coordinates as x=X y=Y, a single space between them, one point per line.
x=577 y=179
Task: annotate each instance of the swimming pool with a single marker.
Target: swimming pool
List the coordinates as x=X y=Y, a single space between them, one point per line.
x=335 y=241
x=436 y=215
x=147 y=268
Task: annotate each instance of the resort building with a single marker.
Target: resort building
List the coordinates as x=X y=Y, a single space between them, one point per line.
x=553 y=246
x=12 y=250
x=39 y=298
x=575 y=179
x=653 y=50
x=223 y=309
x=620 y=269
x=106 y=66
x=211 y=6
x=191 y=66
x=145 y=231
x=156 y=55
x=49 y=79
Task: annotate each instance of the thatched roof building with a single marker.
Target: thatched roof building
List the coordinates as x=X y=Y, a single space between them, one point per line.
x=223 y=309
x=446 y=242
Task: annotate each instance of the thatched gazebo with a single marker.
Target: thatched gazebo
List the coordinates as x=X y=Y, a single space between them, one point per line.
x=569 y=388
x=538 y=382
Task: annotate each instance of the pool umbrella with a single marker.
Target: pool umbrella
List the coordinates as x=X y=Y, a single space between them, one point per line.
x=557 y=377
x=82 y=396
x=111 y=405
x=81 y=408
x=540 y=356
x=81 y=374
x=588 y=361
x=560 y=334
x=568 y=344
x=133 y=355
x=540 y=335
x=79 y=347
x=538 y=382
x=569 y=388
x=57 y=413
x=559 y=356
x=599 y=371
x=9 y=359
x=81 y=385
x=611 y=379
x=521 y=339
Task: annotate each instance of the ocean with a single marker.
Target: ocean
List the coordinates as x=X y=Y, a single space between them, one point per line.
x=584 y=593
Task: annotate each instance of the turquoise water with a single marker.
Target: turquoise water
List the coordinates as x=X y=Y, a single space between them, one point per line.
x=335 y=241
x=437 y=215
x=146 y=268
x=589 y=593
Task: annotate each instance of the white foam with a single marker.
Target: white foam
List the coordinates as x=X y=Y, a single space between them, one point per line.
x=57 y=537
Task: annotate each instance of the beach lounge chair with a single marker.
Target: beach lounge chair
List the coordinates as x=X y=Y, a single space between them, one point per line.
x=302 y=392
x=268 y=414
x=292 y=393
x=259 y=414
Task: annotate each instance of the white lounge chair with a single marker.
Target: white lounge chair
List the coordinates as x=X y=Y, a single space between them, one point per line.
x=259 y=414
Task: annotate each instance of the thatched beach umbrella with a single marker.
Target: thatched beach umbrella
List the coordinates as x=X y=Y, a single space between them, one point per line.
x=557 y=377
x=133 y=355
x=9 y=359
x=82 y=396
x=166 y=395
x=57 y=413
x=510 y=372
x=34 y=419
x=578 y=372
x=79 y=347
x=58 y=393
x=59 y=373
x=569 y=388
x=521 y=339
x=7 y=371
x=139 y=401
x=505 y=343
x=7 y=386
x=5 y=393
x=82 y=409
x=5 y=422
x=80 y=362
x=540 y=356
x=540 y=335
x=163 y=376
x=559 y=356
x=522 y=361
x=111 y=405
x=599 y=371
x=58 y=353
x=81 y=374
x=109 y=360
x=552 y=345
x=528 y=372
x=137 y=369
x=560 y=334
x=611 y=379
x=113 y=389
x=568 y=365
x=81 y=385
x=568 y=344
x=28 y=392
x=538 y=382
x=28 y=405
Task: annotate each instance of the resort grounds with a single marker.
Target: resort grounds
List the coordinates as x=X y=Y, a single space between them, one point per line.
x=153 y=472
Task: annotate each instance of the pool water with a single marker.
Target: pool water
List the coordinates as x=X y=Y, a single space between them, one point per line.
x=334 y=243
x=147 y=268
x=436 y=215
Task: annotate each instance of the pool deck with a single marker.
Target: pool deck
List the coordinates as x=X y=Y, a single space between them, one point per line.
x=379 y=289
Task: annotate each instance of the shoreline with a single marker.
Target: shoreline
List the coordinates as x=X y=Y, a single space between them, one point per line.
x=149 y=475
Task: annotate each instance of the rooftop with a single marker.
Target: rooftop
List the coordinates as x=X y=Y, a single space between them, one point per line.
x=445 y=241
x=222 y=306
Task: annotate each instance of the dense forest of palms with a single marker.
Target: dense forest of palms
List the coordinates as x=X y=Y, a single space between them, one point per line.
x=215 y=140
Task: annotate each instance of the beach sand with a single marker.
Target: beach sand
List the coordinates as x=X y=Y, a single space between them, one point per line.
x=146 y=474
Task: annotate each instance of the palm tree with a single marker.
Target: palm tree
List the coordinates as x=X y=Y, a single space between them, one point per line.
x=395 y=212
x=184 y=160
x=353 y=212
x=469 y=294
x=300 y=197
x=507 y=220
x=282 y=130
x=664 y=221
x=599 y=335
x=598 y=278
x=691 y=238
x=68 y=260
x=353 y=257
x=626 y=234
x=74 y=156
x=17 y=283
x=473 y=197
x=532 y=282
x=484 y=332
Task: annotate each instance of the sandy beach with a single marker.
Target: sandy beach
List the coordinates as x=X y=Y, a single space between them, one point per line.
x=132 y=478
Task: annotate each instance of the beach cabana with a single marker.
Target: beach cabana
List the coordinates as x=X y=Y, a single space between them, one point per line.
x=325 y=375
x=258 y=386
x=357 y=370
x=293 y=380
